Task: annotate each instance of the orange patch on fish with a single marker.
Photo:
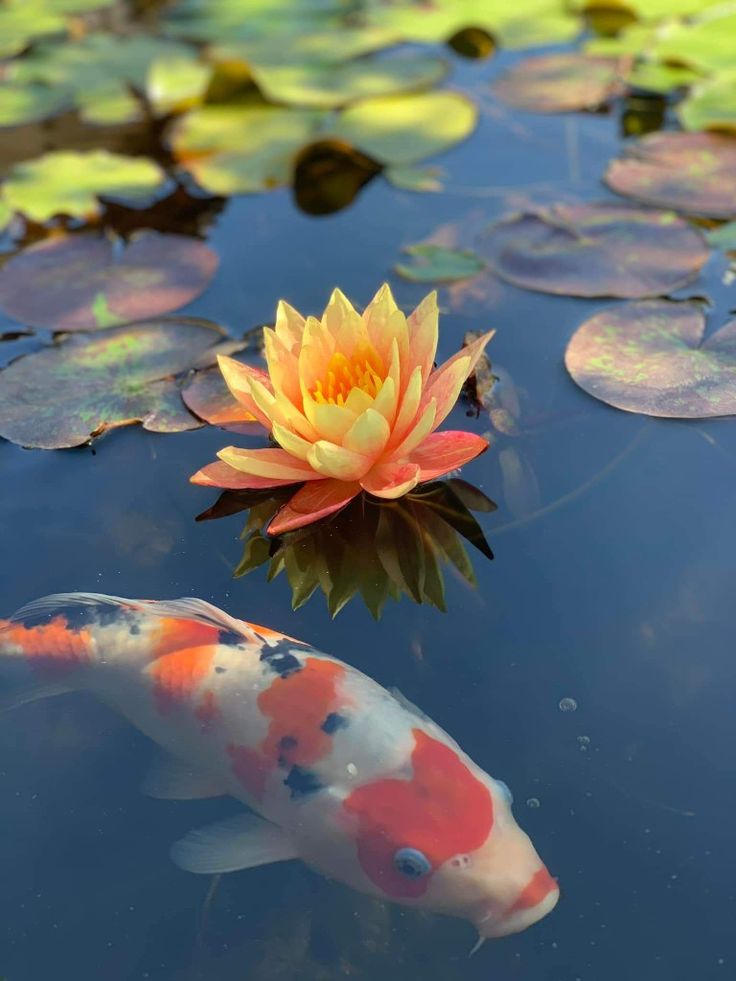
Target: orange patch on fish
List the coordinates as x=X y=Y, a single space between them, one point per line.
x=174 y=634
x=208 y=711
x=540 y=886
x=250 y=767
x=52 y=648
x=297 y=705
x=443 y=811
x=177 y=675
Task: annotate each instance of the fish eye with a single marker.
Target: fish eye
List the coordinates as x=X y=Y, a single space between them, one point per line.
x=412 y=863
x=505 y=791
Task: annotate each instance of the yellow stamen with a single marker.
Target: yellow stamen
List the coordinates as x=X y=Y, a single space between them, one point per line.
x=363 y=369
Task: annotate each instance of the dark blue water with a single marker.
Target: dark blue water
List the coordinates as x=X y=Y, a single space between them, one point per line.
x=612 y=585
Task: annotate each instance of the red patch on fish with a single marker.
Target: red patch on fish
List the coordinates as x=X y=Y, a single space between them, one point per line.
x=208 y=711
x=53 y=648
x=297 y=705
x=443 y=811
x=250 y=767
x=177 y=675
x=540 y=886
x=175 y=634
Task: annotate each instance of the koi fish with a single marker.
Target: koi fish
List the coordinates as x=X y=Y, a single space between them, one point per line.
x=335 y=770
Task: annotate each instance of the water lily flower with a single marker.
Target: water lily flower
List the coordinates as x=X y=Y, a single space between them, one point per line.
x=353 y=403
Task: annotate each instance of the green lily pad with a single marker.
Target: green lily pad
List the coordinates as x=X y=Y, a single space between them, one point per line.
x=651 y=358
x=29 y=103
x=67 y=393
x=595 y=250
x=707 y=45
x=723 y=237
x=404 y=129
x=176 y=82
x=415 y=178
x=439 y=264
x=711 y=104
x=82 y=282
x=560 y=83
x=328 y=86
x=250 y=20
x=6 y=215
x=241 y=149
x=652 y=76
x=69 y=183
x=22 y=22
x=315 y=46
x=694 y=173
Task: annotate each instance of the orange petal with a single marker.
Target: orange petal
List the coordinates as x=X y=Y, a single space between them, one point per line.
x=423 y=326
x=443 y=383
x=275 y=464
x=220 y=474
x=442 y=452
x=312 y=502
x=237 y=378
x=391 y=480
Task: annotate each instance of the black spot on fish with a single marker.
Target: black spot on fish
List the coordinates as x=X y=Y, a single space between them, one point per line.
x=302 y=783
x=219 y=669
x=282 y=661
x=230 y=637
x=134 y=629
x=333 y=722
x=286 y=743
x=283 y=647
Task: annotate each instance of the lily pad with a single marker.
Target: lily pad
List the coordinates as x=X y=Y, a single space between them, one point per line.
x=70 y=183
x=652 y=76
x=651 y=358
x=723 y=237
x=81 y=282
x=563 y=82
x=6 y=215
x=595 y=250
x=711 y=104
x=436 y=263
x=66 y=394
x=209 y=398
x=176 y=82
x=241 y=149
x=404 y=129
x=21 y=104
x=706 y=45
x=419 y=179
x=694 y=173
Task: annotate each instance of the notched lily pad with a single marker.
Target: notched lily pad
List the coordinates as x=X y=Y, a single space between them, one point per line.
x=595 y=250
x=438 y=264
x=209 y=398
x=86 y=384
x=560 y=83
x=651 y=358
x=86 y=281
x=692 y=172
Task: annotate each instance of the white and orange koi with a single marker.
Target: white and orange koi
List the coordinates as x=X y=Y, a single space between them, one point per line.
x=335 y=770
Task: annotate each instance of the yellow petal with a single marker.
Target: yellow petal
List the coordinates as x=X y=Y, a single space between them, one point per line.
x=288 y=415
x=343 y=322
x=385 y=323
x=318 y=346
x=418 y=432
x=423 y=326
x=387 y=399
x=331 y=460
x=368 y=435
x=289 y=326
x=330 y=422
x=274 y=463
x=408 y=408
x=292 y=443
x=358 y=401
x=238 y=379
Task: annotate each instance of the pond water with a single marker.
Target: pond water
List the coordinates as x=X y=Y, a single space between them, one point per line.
x=591 y=669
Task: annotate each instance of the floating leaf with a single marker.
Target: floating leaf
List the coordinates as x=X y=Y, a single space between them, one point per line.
x=65 y=394
x=706 y=45
x=68 y=183
x=404 y=129
x=595 y=250
x=652 y=76
x=316 y=46
x=712 y=103
x=651 y=358
x=28 y=103
x=208 y=397
x=241 y=149
x=328 y=86
x=692 y=172
x=6 y=215
x=560 y=82
x=81 y=282
x=415 y=178
x=439 y=264
x=176 y=82
x=723 y=237
x=22 y=21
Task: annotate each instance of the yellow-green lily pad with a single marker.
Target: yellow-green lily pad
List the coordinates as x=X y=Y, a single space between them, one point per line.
x=711 y=103
x=71 y=183
x=81 y=386
x=651 y=358
x=21 y=104
x=438 y=264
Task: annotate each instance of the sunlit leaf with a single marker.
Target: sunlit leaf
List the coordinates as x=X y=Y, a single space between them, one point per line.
x=706 y=45
x=69 y=183
x=79 y=281
x=595 y=250
x=435 y=263
x=28 y=103
x=723 y=237
x=653 y=76
x=404 y=129
x=283 y=42
x=711 y=104
x=176 y=82
x=111 y=103
x=692 y=172
x=88 y=383
x=651 y=358
x=6 y=215
x=560 y=82
x=22 y=21
x=415 y=178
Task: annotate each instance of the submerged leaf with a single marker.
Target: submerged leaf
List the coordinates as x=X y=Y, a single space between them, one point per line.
x=439 y=264
x=81 y=282
x=65 y=394
x=560 y=82
x=651 y=358
x=596 y=250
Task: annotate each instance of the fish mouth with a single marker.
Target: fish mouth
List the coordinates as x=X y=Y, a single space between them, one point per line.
x=536 y=900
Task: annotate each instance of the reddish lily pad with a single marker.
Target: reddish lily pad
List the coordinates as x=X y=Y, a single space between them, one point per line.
x=83 y=385
x=595 y=250
x=564 y=82
x=208 y=397
x=695 y=173
x=650 y=357
x=83 y=282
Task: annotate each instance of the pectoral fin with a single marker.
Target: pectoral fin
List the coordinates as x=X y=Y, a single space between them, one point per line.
x=173 y=779
x=242 y=842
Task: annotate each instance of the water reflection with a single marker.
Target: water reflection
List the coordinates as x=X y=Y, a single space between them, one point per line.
x=374 y=548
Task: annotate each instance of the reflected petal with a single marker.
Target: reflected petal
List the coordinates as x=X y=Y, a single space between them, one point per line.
x=222 y=475
x=442 y=452
x=312 y=502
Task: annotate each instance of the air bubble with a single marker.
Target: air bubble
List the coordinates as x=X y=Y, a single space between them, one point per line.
x=583 y=743
x=533 y=802
x=568 y=705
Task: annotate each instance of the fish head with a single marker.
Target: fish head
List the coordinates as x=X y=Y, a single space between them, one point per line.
x=444 y=838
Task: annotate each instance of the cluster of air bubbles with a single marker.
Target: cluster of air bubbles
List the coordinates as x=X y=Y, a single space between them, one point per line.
x=567 y=705
x=583 y=743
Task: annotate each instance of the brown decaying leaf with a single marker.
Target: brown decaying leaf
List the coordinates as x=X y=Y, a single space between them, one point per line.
x=650 y=357
x=694 y=173
x=87 y=281
x=561 y=82
x=599 y=249
x=478 y=385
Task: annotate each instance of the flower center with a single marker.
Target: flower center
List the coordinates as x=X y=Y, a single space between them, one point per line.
x=363 y=370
